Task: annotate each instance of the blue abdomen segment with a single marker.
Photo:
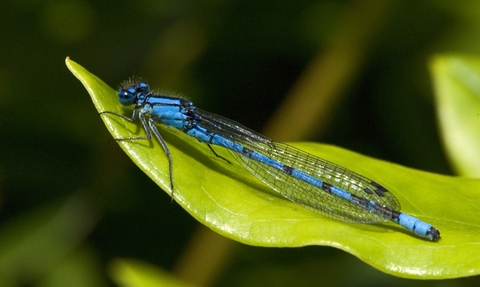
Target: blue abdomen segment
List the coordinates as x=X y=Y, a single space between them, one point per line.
x=417 y=226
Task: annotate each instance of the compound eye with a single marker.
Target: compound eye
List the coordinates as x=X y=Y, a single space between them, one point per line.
x=127 y=96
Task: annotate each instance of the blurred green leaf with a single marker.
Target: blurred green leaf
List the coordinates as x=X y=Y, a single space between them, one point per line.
x=82 y=267
x=135 y=273
x=457 y=89
x=231 y=201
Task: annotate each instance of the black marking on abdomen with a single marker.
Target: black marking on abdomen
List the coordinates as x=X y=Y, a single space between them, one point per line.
x=361 y=201
x=247 y=152
x=386 y=212
x=327 y=187
x=288 y=169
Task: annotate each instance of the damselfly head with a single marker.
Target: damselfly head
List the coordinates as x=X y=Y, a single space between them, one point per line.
x=128 y=95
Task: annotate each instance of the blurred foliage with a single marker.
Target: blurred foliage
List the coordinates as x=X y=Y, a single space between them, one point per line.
x=457 y=85
x=237 y=58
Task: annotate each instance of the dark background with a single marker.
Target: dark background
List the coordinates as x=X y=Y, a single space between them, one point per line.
x=71 y=201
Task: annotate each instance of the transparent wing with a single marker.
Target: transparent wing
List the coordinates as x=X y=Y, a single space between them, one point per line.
x=315 y=198
x=298 y=191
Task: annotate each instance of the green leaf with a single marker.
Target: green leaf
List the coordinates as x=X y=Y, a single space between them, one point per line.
x=232 y=202
x=135 y=273
x=457 y=86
